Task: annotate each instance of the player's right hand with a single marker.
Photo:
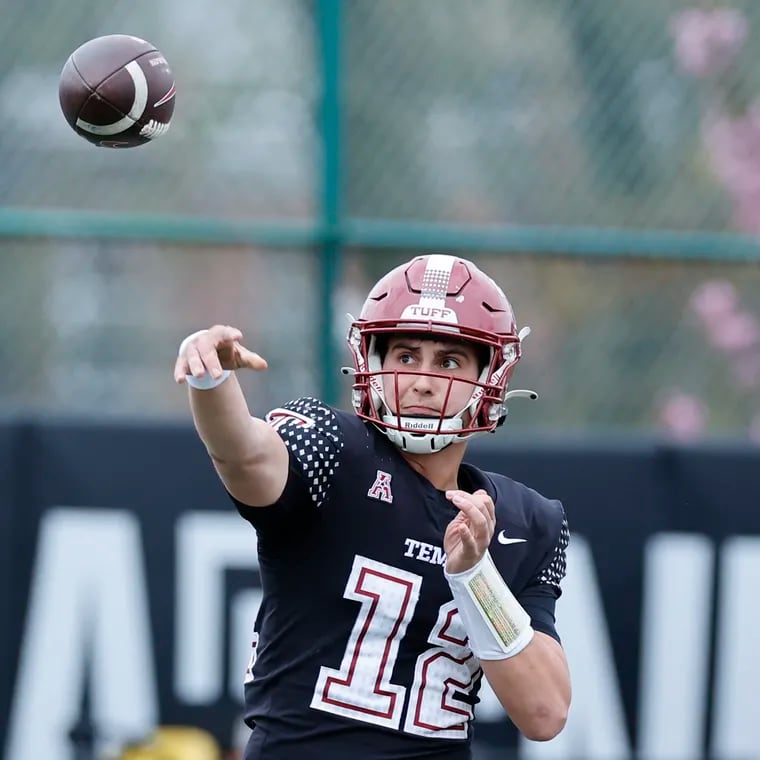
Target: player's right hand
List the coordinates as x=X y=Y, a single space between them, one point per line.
x=213 y=351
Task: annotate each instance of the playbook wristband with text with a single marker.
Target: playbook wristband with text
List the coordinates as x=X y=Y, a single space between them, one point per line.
x=205 y=383
x=496 y=623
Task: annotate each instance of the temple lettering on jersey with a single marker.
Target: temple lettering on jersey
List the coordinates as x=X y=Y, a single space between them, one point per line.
x=424 y=552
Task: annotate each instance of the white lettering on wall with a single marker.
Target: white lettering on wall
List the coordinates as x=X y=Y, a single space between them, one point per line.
x=596 y=728
x=88 y=602
x=208 y=543
x=737 y=696
x=244 y=606
x=675 y=647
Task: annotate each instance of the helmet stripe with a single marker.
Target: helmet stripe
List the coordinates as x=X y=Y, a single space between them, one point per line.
x=435 y=281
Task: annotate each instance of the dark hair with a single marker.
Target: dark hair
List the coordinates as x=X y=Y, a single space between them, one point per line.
x=483 y=352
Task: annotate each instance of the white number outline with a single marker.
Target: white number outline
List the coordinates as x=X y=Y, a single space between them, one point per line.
x=388 y=597
x=361 y=689
x=432 y=697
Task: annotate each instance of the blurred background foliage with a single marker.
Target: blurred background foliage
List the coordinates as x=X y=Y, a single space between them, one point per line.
x=629 y=118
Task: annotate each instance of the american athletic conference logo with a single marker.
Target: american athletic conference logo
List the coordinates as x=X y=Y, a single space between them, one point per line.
x=381 y=488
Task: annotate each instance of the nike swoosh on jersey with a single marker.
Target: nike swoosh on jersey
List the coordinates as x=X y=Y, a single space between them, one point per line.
x=502 y=539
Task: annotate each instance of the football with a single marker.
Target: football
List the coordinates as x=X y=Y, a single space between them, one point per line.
x=117 y=91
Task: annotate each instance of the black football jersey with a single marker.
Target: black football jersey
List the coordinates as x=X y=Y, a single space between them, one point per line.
x=359 y=649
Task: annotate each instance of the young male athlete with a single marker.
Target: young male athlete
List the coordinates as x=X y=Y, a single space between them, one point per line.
x=394 y=574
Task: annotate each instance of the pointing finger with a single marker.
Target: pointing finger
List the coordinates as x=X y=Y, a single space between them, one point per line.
x=250 y=359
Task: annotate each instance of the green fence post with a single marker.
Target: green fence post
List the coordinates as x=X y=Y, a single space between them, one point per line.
x=329 y=13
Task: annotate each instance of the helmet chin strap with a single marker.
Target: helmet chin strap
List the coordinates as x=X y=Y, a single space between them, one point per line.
x=422 y=442
x=449 y=427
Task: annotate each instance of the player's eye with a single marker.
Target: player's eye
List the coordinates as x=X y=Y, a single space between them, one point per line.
x=450 y=362
x=405 y=358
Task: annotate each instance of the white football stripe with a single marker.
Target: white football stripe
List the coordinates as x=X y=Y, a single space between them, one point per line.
x=154 y=129
x=135 y=112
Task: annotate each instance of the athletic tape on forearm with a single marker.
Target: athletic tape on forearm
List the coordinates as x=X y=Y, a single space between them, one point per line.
x=205 y=383
x=496 y=623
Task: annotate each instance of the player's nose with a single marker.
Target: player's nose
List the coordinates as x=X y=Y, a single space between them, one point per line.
x=422 y=384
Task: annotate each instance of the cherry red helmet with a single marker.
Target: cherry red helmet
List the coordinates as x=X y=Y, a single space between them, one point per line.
x=444 y=297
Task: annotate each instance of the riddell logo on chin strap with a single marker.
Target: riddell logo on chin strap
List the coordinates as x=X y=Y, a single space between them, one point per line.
x=430 y=426
x=381 y=488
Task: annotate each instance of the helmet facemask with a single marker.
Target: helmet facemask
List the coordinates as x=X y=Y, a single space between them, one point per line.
x=483 y=411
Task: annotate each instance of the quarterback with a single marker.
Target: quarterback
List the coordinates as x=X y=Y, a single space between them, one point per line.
x=395 y=575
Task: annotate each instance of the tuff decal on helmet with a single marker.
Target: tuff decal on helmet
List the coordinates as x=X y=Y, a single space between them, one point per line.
x=446 y=298
x=433 y=291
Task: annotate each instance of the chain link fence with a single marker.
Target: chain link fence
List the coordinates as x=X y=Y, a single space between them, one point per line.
x=572 y=112
x=563 y=113
x=242 y=139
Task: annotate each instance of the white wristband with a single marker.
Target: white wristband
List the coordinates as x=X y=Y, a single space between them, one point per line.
x=496 y=623
x=205 y=383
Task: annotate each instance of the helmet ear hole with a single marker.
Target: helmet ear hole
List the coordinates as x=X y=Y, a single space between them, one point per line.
x=485 y=354
x=381 y=346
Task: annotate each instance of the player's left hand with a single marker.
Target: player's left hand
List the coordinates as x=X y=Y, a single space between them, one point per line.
x=469 y=534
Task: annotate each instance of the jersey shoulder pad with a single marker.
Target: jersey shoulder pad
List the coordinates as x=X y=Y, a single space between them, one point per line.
x=314 y=437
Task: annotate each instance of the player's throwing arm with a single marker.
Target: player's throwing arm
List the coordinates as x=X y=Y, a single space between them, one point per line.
x=248 y=455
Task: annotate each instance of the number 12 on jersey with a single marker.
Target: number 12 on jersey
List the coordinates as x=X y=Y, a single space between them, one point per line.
x=361 y=688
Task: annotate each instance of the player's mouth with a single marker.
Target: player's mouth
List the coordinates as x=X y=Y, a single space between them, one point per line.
x=419 y=411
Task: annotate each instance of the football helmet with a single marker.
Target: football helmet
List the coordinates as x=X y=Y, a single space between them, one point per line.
x=444 y=297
